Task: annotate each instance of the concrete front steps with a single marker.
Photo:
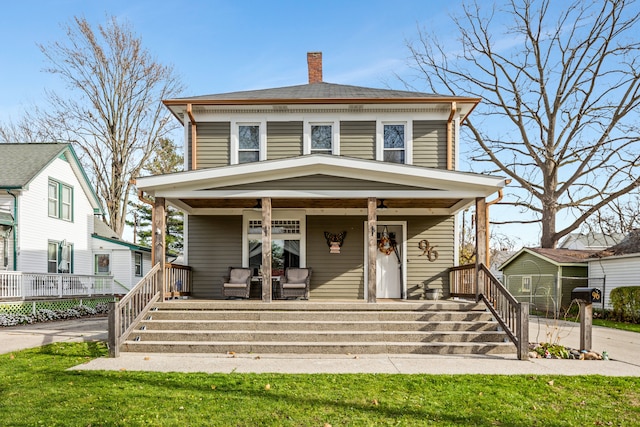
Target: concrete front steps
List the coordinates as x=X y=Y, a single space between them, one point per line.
x=305 y=327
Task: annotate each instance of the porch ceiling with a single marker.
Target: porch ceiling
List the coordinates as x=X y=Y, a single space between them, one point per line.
x=352 y=203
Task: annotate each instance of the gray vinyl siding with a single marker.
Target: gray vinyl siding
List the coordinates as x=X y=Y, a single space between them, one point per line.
x=341 y=276
x=439 y=231
x=358 y=139
x=215 y=244
x=214 y=141
x=284 y=139
x=336 y=276
x=430 y=144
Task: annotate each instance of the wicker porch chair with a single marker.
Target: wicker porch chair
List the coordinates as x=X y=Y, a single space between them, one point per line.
x=237 y=283
x=295 y=283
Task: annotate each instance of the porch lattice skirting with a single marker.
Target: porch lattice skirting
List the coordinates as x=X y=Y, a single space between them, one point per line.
x=444 y=327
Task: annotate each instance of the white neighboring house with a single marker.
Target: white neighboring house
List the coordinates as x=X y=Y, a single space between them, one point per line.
x=617 y=266
x=590 y=241
x=126 y=262
x=47 y=206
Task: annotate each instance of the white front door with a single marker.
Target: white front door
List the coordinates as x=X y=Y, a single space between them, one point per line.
x=389 y=261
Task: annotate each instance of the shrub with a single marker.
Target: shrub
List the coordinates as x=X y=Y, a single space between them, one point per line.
x=102 y=307
x=626 y=303
x=14 y=319
x=44 y=315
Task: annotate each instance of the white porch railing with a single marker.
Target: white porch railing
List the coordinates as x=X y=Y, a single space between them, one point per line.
x=21 y=285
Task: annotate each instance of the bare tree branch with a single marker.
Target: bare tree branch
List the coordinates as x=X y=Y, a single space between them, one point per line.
x=113 y=113
x=561 y=98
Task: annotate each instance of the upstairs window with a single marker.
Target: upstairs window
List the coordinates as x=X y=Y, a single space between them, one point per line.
x=321 y=139
x=248 y=143
x=60 y=204
x=394 y=143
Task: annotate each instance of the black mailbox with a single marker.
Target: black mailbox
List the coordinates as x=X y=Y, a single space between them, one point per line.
x=588 y=295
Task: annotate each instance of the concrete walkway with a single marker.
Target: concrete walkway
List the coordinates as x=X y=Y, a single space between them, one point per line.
x=623 y=348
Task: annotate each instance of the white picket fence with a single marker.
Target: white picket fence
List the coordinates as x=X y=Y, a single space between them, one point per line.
x=20 y=285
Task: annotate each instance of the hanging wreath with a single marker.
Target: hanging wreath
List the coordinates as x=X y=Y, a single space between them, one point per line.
x=385 y=245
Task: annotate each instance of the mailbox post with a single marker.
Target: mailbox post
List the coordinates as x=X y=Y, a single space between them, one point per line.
x=585 y=298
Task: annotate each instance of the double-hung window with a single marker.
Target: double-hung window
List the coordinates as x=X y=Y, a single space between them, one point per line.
x=138 y=263
x=394 y=143
x=59 y=257
x=321 y=139
x=248 y=143
x=60 y=200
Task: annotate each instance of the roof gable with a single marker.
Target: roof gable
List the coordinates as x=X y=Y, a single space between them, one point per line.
x=416 y=177
x=557 y=257
x=306 y=181
x=20 y=163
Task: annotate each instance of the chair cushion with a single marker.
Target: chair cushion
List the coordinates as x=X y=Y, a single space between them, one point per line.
x=235 y=285
x=239 y=275
x=297 y=275
x=294 y=286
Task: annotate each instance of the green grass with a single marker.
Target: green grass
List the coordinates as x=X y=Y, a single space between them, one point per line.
x=631 y=327
x=37 y=390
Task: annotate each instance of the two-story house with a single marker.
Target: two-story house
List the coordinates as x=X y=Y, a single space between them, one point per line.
x=48 y=205
x=53 y=242
x=297 y=168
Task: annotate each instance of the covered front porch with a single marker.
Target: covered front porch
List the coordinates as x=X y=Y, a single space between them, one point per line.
x=366 y=233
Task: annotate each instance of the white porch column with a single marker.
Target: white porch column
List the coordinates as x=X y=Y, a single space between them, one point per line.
x=266 y=249
x=372 y=227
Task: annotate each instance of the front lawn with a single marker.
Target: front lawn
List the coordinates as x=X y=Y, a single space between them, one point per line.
x=36 y=389
x=631 y=327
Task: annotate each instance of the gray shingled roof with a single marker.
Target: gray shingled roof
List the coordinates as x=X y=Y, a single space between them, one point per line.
x=630 y=245
x=19 y=163
x=314 y=91
x=102 y=229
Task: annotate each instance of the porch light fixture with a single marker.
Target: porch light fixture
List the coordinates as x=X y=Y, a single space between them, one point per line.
x=381 y=205
x=335 y=241
x=258 y=205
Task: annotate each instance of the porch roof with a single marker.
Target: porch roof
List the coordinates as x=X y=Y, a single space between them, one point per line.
x=321 y=182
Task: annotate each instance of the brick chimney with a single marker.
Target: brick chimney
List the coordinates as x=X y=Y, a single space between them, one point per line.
x=314 y=62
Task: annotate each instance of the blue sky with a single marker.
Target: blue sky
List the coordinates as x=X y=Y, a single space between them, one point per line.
x=223 y=46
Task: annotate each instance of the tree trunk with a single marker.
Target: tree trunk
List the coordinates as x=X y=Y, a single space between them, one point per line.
x=549 y=212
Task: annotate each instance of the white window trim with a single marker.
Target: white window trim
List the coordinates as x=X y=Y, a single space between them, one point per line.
x=335 y=137
x=408 y=139
x=235 y=139
x=276 y=215
x=528 y=287
x=135 y=264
